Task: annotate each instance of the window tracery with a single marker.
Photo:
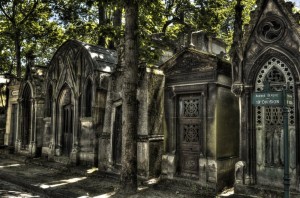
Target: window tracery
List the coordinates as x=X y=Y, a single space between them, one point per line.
x=268 y=118
x=271 y=29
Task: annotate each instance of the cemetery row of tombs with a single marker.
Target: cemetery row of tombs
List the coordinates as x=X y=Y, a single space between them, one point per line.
x=196 y=120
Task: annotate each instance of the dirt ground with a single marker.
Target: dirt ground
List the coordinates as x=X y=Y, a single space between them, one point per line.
x=20 y=177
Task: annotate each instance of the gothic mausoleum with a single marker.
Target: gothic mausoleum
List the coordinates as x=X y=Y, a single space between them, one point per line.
x=75 y=88
x=269 y=54
x=24 y=122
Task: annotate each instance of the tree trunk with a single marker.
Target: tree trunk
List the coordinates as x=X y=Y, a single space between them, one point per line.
x=18 y=53
x=102 y=21
x=129 y=108
x=117 y=22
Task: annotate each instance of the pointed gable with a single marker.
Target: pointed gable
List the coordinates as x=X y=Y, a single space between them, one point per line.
x=273 y=32
x=95 y=57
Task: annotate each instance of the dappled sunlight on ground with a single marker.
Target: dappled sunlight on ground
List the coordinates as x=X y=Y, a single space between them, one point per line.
x=11 y=165
x=152 y=181
x=106 y=195
x=142 y=188
x=6 y=193
x=94 y=169
x=227 y=192
x=61 y=182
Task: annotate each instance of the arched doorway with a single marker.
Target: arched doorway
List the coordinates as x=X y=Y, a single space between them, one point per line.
x=269 y=125
x=65 y=121
x=26 y=126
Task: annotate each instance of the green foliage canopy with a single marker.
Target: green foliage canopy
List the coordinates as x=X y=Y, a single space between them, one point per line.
x=42 y=26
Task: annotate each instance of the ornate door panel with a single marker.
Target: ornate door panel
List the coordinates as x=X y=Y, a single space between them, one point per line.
x=190 y=132
x=117 y=136
x=67 y=129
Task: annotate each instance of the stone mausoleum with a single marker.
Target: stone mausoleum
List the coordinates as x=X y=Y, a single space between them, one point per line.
x=269 y=52
x=201 y=115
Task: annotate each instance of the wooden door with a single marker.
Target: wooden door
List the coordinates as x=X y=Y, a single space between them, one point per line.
x=190 y=133
x=117 y=137
x=67 y=136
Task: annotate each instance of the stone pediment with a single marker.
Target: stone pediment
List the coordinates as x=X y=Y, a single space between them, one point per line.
x=189 y=61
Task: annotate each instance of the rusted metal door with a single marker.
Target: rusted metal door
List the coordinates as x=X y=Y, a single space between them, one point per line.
x=67 y=129
x=190 y=132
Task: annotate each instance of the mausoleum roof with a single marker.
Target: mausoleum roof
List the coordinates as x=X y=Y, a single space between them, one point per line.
x=101 y=59
x=190 y=60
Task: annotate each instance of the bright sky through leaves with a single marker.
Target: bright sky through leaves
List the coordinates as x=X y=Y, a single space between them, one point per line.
x=297 y=3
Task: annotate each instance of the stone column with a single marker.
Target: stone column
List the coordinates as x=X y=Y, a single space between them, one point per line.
x=248 y=149
x=75 y=149
x=18 y=143
x=54 y=144
x=32 y=144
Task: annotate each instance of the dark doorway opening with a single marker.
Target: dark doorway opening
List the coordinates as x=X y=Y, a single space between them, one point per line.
x=117 y=137
x=67 y=135
x=26 y=110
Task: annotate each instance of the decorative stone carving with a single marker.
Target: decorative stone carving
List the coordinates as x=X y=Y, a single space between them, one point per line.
x=212 y=171
x=237 y=89
x=271 y=29
x=190 y=62
x=239 y=173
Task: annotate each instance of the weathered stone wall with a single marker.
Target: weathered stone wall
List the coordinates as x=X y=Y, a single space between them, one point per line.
x=11 y=128
x=2 y=128
x=150 y=114
x=227 y=115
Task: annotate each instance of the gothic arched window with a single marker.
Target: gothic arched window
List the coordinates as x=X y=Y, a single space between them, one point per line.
x=269 y=120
